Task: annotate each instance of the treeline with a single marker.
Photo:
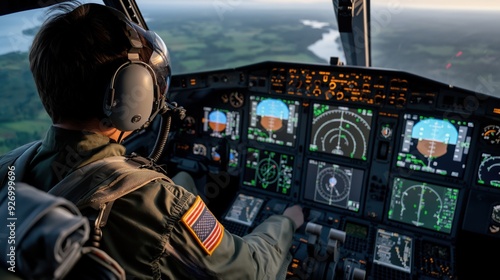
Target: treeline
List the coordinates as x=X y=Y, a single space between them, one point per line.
x=21 y=138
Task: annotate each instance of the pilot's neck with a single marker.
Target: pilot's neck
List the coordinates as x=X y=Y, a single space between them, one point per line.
x=97 y=127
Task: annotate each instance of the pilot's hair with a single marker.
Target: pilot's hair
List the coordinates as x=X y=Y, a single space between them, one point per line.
x=74 y=56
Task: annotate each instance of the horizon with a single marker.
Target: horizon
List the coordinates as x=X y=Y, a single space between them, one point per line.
x=453 y=27
x=482 y=5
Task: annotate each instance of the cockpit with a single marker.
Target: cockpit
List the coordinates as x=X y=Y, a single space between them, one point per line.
x=397 y=168
x=388 y=165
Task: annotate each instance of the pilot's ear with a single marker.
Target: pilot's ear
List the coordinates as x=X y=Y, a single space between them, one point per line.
x=130 y=101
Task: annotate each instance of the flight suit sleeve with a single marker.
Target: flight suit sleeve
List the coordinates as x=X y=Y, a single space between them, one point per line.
x=201 y=248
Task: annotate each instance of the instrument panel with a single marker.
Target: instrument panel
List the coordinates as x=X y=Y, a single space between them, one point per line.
x=391 y=168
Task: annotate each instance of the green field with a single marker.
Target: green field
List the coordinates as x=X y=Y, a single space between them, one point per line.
x=22 y=116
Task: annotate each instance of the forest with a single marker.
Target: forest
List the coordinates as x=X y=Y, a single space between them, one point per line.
x=22 y=116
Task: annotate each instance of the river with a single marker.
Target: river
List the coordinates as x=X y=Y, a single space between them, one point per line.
x=329 y=45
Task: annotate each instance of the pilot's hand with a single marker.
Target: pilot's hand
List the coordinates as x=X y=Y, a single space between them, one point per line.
x=295 y=213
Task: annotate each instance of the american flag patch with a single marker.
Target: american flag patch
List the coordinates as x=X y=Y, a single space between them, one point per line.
x=203 y=225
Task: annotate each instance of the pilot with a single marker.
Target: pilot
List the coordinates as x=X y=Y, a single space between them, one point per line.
x=87 y=60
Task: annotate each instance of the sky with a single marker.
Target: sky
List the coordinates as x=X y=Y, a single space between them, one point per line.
x=457 y=4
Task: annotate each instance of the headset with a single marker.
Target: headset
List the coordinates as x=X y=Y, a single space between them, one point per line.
x=135 y=95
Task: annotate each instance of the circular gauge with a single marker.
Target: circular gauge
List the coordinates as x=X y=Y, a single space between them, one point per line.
x=268 y=172
x=489 y=171
x=236 y=99
x=333 y=184
x=420 y=203
x=491 y=134
x=339 y=131
x=386 y=131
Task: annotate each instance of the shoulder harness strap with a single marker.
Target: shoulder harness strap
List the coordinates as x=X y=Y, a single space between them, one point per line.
x=99 y=184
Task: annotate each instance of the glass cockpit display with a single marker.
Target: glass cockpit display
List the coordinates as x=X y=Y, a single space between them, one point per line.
x=273 y=120
x=341 y=131
x=488 y=172
x=268 y=171
x=393 y=250
x=221 y=123
x=333 y=185
x=423 y=205
x=433 y=145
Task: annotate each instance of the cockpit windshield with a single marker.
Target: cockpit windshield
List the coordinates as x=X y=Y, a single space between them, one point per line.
x=207 y=35
x=454 y=42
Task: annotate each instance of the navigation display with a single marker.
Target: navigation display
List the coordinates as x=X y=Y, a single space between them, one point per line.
x=273 y=120
x=333 y=185
x=433 y=145
x=269 y=171
x=221 y=123
x=341 y=131
x=488 y=172
x=393 y=250
x=423 y=205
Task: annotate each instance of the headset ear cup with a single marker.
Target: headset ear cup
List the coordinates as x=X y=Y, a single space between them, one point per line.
x=128 y=103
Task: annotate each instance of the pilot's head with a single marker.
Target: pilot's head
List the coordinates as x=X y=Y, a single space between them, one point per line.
x=89 y=62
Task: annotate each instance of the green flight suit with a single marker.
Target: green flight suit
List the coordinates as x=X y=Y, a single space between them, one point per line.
x=148 y=231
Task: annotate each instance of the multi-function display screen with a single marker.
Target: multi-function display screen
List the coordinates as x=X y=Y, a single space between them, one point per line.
x=273 y=120
x=333 y=185
x=269 y=171
x=221 y=123
x=393 y=250
x=488 y=173
x=423 y=205
x=434 y=145
x=341 y=131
